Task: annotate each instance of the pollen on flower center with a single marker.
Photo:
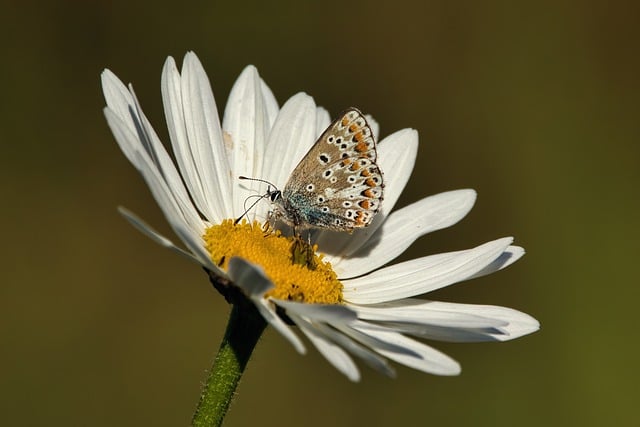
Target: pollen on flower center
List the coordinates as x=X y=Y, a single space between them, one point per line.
x=273 y=252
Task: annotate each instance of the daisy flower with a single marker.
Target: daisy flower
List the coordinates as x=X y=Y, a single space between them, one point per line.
x=346 y=299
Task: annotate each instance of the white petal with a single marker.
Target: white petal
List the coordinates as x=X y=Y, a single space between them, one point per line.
x=249 y=277
x=323 y=120
x=419 y=356
x=246 y=127
x=508 y=257
x=374 y=125
x=205 y=138
x=271 y=105
x=270 y=315
x=396 y=158
x=147 y=230
x=184 y=148
x=141 y=137
x=403 y=227
x=397 y=155
x=422 y=275
x=190 y=236
x=359 y=334
x=372 y=359
x=440 y=333
x=252 y=280
x=332 y=352
x=292 y=135
x=515 y=324
x=328 y=313
x=424 y=312
x=178 y=215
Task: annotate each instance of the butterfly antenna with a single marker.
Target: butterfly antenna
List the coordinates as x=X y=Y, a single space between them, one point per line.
x=246 y=178
x=267 y=194
x=249 y=208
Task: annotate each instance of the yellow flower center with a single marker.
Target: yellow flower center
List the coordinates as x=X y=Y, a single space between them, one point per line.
x=296 y=270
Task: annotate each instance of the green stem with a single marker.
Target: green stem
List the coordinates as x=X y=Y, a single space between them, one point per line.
x=243 y=332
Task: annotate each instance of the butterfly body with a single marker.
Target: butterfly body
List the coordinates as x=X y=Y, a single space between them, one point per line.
x=337 y=185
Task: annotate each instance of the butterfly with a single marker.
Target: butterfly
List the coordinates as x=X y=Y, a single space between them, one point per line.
x=337 y=185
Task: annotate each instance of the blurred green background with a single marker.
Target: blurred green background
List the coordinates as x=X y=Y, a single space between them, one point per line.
x=535 y=105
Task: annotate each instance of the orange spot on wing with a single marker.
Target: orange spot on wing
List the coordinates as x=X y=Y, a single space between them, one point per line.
x=370 y=182
x=345 y=121
x=354 y=167
x=361 y=147
x=368 y=193
x=365 y=204
x=353 y=127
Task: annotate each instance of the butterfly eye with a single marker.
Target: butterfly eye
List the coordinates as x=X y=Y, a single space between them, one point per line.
x=275 y=195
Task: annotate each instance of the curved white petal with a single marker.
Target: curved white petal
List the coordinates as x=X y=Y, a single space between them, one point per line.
x=252 y=280
x=140 y=136
x=508 y=257
x=424 y=312
x=516 y=322
x=509 y=323
x=372 y=359
x=249 y=277
x=332 y=352
x=293 y=133
x=271 y=104
x=374 y=125
x=323 y=120
x=368 y=340
x=246 y=127
x=176 y=212
x=396 y=157
x=184 y=148
x=190 y=235
x=205 y=138
x=403 y=227
x=441 y=333
x=417 y=355
x=422 y=275
x=148 y=231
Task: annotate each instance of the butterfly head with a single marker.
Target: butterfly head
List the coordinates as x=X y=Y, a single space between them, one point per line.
x=274 y=195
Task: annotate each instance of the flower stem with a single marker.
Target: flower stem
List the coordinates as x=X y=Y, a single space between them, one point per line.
x=243 y=332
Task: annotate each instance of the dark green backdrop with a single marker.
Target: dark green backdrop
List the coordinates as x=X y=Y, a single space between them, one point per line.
x=535 y=105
